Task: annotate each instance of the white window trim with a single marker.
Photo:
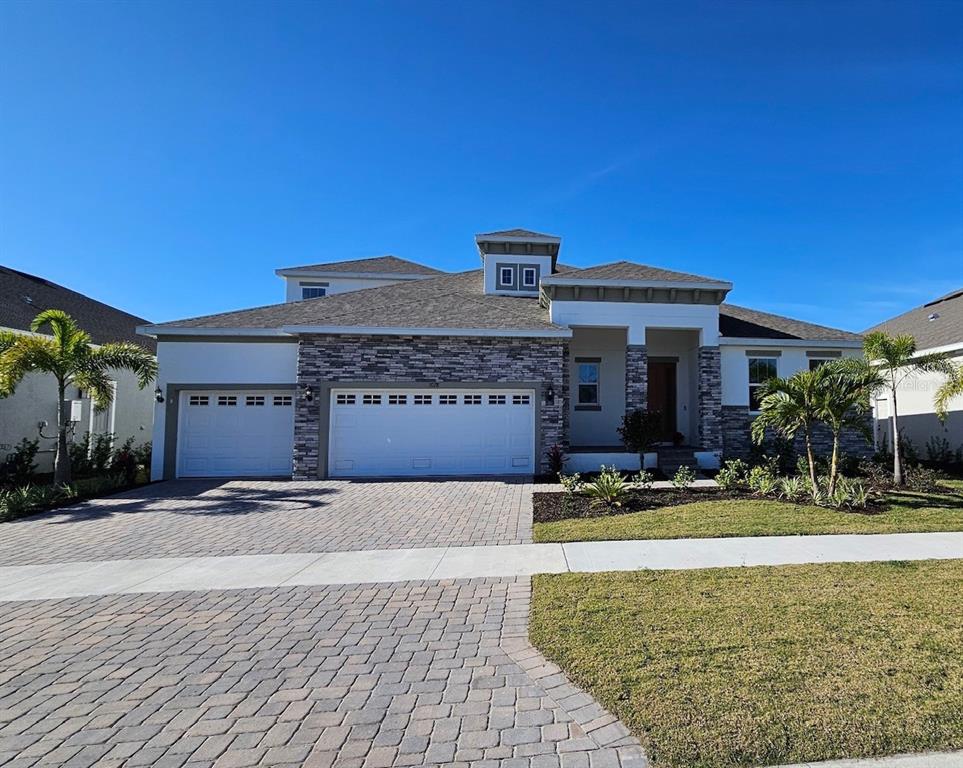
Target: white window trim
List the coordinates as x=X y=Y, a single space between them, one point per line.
x=501 y=276
x=526 y=271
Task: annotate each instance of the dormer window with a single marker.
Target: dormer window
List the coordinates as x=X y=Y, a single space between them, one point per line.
x=529 y=277
x=506 y=277
x=313 y=290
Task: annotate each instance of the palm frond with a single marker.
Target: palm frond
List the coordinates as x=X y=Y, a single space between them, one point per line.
x=24 y=355
x=952 y=387
x=126 y=355
x=97 y=382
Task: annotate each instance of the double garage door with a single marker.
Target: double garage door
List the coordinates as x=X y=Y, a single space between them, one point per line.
x=372 y=433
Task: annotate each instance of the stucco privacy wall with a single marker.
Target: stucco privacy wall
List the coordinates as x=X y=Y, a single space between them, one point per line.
x=325 y=360
x=231 y=363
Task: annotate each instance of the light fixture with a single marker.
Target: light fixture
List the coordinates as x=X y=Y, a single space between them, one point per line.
x=308 y=393
x=550 y=394
x=158 y=395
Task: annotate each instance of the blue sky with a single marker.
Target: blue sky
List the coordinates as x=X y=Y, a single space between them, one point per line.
x=167 y=157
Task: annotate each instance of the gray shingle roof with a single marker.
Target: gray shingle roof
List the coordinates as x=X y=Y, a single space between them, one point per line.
x=742 y=323
x=517 y=232
x=24 y=296
x=945 y=328
x=630 y=270
x=449 y=301
x=376 y=264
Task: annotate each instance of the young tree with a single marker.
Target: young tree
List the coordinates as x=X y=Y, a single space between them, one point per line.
x=843 y=398
x=68 y=355
x=952 y=387
x=640 y=430
x=895 y=358
x=788 y=406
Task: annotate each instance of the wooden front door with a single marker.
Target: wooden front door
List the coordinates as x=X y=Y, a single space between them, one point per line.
x=662 y=394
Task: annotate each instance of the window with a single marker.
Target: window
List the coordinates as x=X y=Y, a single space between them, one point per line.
x=254 y=400
x=447 y=399
x=588 y=382
x=397 y=399
x=521 y=399
x=371 y=400
x=472 y=400
x=761 y=369
x=506 y=276
x=281 y=400
x=313 y=290
x=496 y=399
x=344 y=399
x=226 y=400
x=815 y=362
x=199 y=400
x=529 y=277
x=422 y=399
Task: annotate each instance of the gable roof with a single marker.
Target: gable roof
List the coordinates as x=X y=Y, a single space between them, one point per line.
x=449 y=301
x=742 y=323
x=23 y=296
x=944 y=329
x=517 y=232
x=630 y=270
x=376 y=265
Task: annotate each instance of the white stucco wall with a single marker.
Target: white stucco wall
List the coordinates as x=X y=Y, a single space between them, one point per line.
x=208 y=362
x=591 y=427
x=703 y=318
x=292 y=285
x=735 y=365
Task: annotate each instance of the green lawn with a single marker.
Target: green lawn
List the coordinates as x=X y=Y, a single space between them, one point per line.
x=905 y=512
x=760 y=666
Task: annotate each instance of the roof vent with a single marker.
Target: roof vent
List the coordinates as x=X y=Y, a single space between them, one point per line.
x=27 y=299
x=932 y=316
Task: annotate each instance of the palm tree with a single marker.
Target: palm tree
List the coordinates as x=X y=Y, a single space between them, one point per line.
x=843 y=397
x=952 y=387
x=68 y=355
x=788 y=406
x=896 y=359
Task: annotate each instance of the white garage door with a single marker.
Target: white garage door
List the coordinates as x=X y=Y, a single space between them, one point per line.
x=399 y=432
x=235 y=433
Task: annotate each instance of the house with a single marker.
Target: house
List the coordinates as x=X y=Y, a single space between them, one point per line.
x=400 y=370
x=22 y=298
x=937 y=326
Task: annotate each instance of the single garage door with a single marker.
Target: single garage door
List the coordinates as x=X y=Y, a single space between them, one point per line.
x=407 y=432
x=235 y=434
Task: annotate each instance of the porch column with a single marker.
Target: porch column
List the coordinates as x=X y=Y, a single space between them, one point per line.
x=636 y=377
x=710 y=399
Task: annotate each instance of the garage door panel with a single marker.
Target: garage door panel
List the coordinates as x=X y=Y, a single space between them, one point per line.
x=235 y=433
x=426 y=432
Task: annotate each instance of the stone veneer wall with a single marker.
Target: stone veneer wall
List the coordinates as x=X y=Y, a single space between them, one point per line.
x=736 y=423
x=710 y=398
x=636 y=377
x=427 y=360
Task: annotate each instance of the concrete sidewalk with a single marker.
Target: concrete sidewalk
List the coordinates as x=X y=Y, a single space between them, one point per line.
x=169 y=574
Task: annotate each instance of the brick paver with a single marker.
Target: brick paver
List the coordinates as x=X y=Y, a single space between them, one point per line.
x=421 y=673
x=185 y=517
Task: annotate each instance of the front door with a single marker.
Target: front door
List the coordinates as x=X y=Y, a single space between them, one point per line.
x=662 y=394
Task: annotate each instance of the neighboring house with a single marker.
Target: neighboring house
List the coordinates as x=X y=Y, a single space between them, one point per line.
x=937 y=327
x=478 y=372
x=22 y=298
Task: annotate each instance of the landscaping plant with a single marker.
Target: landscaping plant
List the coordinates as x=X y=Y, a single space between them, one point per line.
x=762 y=481
x=69 y=356
x=643 y=480
x=732 y=475
x=18 y=466
x=571 y=483
x=556 y=460
x=791 y=488
x=640 y=430
x=683 y=478
x=607 y=489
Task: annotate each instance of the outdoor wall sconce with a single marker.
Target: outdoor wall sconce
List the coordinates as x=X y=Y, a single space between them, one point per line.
x=158 y=395
x=550 y=394
x=308 y=393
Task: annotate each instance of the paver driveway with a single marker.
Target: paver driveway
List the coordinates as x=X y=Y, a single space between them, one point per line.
x=204 y=517
x=424 y=673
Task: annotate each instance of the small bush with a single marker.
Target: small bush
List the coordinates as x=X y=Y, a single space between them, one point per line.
x=640 y=429
x=608 y=489
x=762 y=481
x=922 y=479
x=556 y=460
x=18 y=466
x=877 y=475
x=643 y=480
x=571 y=483
x=733 y=474
x=792 y=488
x=683 y=478
x=124 y=462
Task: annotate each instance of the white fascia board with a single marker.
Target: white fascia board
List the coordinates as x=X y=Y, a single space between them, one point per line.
x=810 y=343
x=944 y=349
x=300 y=272
x=610 y=283
x=561 y=333
x=173 y=330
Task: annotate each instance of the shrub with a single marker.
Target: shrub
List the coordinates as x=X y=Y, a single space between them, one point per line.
x=683 y=478
x=640 y=430
x=18 y=466
x=608 y=489
x=878 y=476
x=733 y=474
x=20 y=501
x=922 y=479
x=556 y=460
x=643 y=480
x=762 y=481
x=776 y=452
x=124 y=463
x=571 y=483
x=792 y=488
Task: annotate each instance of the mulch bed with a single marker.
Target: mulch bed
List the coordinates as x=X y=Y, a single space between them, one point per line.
x=566 y=506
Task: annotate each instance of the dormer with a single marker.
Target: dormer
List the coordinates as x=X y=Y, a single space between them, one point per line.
x=516 y=260
x=315 y=281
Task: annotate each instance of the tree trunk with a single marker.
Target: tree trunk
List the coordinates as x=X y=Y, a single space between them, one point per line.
x=897 y=459
x=834 y=463
x=811 y=459
x=62 y=457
